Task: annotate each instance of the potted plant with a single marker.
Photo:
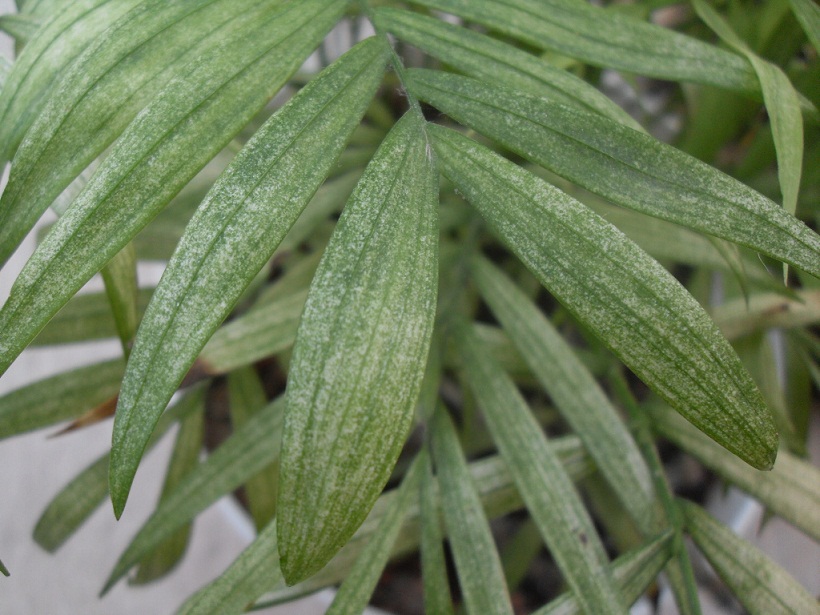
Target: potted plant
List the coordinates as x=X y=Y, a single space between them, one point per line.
x=448 y=231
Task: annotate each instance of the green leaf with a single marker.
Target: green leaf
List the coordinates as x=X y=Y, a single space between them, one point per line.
x=163 y=148
x=183 y=460
x=128 y=65
x=86 y=492
x=625 y=166
x=85 y=317
x=808 y=14
x=246 y=398
x=761 y=585
x=550 y=496
x=791 y=490
x=573 y=390
x=480 y=575
x=235 y=231
x=607 y=39
x=740 y=317
x=496 y=491
x=59 y=398
x=255 y=335
x=250 y=574
x=488 y=59
x=3 y=570
x=360 y=352
x=21 y=27
x=633 y=572
x=245 y=453
x=627 y=299
x=120 y=278
x=782 y=105
x=358 y=586
x=64 y=35
x=434 y=575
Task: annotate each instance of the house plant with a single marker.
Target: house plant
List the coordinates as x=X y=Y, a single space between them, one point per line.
x=472 y=286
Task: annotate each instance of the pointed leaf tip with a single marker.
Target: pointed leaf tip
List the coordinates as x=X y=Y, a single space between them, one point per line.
x=360 y=353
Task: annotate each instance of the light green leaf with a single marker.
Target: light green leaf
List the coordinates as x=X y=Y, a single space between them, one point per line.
x=183 y=460
x=480 y=575
x=85 y=317
x=496 y=491
x=488 y=59
x=625 y=166
x=123 y=69
x=246 y=398
x=195 y=116
x=791 y=489
x=360 y=352
x=572 y=388
x=627 y=299
x=83 y=495
x=234 y=232
x=255 y=335
x=5 y=68
x=551 y=498
x=808 y=14
x=761 y=585
x=782 y=105
x=434 y=575
x=21 y=27
x=633 y=572
x=358 y=586
x=120 y=278
x=607 y=39
x=59 y=398
x=64 y=35
x=245 y=453
x=255 y=570
x=763 y=311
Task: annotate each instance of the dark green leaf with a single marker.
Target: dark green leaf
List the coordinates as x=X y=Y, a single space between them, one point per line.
x=625 y=166
x=3 y=570
x=237 y=228
x=360 y=352
x=434 y=575
x=634 y=305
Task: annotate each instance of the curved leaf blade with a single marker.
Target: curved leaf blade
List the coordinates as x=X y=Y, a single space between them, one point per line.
x=572 y=388
x=625 y=297
x=248 y=450
x=633 y=572
x=808 y=14
x=59 y=398
x=104 y=90
x=625 y=166
x=360 y=352
x=163 y=148
x=234 y=232
x=760 y=584
x=607 y=39
x=486 y=58
x=480 y=575
x=551 y=498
